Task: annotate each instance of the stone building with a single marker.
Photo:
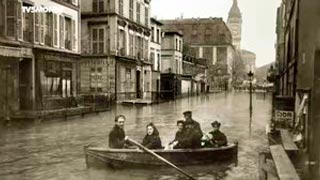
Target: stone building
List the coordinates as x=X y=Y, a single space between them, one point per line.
x=171 y=64
x=39 y=53
x=249 y=60
x=115 y=48
x=211 y=39
x=298 y=64
x=155 y=57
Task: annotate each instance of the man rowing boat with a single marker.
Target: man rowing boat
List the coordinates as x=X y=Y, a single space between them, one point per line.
x=117 y=136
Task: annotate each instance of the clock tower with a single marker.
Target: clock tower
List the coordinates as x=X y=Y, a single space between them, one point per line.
x=234 y=23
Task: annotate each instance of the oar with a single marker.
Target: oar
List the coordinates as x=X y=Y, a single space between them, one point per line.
x=160 y=158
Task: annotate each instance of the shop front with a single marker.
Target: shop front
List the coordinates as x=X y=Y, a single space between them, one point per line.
x=56 y=79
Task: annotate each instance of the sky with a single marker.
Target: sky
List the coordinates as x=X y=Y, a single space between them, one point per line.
x=258 y=20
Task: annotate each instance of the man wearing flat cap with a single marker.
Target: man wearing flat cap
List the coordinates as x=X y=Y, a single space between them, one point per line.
x=217 y=138
x=194 y=128
x=189 y=120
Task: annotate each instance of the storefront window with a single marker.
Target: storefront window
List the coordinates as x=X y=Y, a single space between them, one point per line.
x=57 y=79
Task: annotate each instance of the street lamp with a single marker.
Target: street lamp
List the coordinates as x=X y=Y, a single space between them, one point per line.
x=250 y=75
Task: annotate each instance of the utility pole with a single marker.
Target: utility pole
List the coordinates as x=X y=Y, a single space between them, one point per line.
x=250 y=74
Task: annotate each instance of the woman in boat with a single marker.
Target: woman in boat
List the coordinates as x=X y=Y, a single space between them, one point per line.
x=152 y=139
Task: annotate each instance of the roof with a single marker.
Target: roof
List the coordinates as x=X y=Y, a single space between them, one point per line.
x=235 y=11
x=246 y=52
x=156 y=21
x=201 y=31
x=173 y=33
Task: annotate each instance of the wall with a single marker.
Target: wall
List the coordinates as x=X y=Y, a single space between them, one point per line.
x=186 y=87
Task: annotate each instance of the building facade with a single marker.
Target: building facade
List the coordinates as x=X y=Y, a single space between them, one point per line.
x=118 y=32
x=249 y=60
x=171 y=57
x=39 y=53
x=171 y=65
x=155 y=57
x=298 y=67
x=211 y=39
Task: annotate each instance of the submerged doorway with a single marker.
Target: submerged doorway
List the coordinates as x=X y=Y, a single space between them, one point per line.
x=138 y=84
x=25 y=84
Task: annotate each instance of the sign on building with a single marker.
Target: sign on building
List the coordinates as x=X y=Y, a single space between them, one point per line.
x=284 y=116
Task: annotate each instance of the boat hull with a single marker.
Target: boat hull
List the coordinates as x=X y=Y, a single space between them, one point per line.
x=122 y=158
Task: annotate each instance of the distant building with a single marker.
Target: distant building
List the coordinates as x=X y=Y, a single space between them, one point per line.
x=249 y=60
x=155 y=57
x=39 y=55
x=115 y=48
x=171 y=57
x=246 y=57
x=171 y=64
x=235 y=24
x=211 y=39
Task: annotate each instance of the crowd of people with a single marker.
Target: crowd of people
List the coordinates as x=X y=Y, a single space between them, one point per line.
x=188 y=136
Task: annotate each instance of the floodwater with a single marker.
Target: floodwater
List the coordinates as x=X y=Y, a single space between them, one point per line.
x=54 y=150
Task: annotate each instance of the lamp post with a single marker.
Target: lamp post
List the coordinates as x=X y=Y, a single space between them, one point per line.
x=250 y=75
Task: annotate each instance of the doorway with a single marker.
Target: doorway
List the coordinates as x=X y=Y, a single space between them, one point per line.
x=138 y=84
x=25 y=84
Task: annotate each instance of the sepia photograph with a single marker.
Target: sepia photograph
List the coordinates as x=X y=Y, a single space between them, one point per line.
x=159 y=90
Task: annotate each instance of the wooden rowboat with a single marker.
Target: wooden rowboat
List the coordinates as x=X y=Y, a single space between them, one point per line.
x=122 y=158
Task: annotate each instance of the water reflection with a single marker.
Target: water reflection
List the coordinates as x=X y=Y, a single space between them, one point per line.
x=54 y=150
x=209 y=172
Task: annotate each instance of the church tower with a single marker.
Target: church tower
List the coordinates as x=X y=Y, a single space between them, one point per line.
x=234 y=23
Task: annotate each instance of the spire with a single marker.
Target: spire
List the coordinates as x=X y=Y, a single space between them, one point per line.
x=235 y=11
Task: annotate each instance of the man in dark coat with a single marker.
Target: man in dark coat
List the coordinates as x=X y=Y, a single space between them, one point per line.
x=117 y=135
x=179 y=135
x=195 y=125
x=218 y=138
x=191 y=138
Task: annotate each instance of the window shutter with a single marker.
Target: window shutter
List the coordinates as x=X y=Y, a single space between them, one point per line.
x=36 y=27
x=101 y=41
x=62 y=38
x=19 y=20
x=55 y=29
x=74 y=35
x=10 y=19
x=2 y=15
x=95 y=5
x=42 y=28
x=94 y=40
x=101 y=6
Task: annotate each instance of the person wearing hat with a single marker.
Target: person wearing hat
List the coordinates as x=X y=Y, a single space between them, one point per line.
x=216 y=137
x=195 y=125
x=191 y=138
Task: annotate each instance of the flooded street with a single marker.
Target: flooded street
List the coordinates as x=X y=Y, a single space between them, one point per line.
x=54 y=150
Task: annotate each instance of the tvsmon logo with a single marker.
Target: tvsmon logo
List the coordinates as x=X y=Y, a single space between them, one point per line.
x=42 y=9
